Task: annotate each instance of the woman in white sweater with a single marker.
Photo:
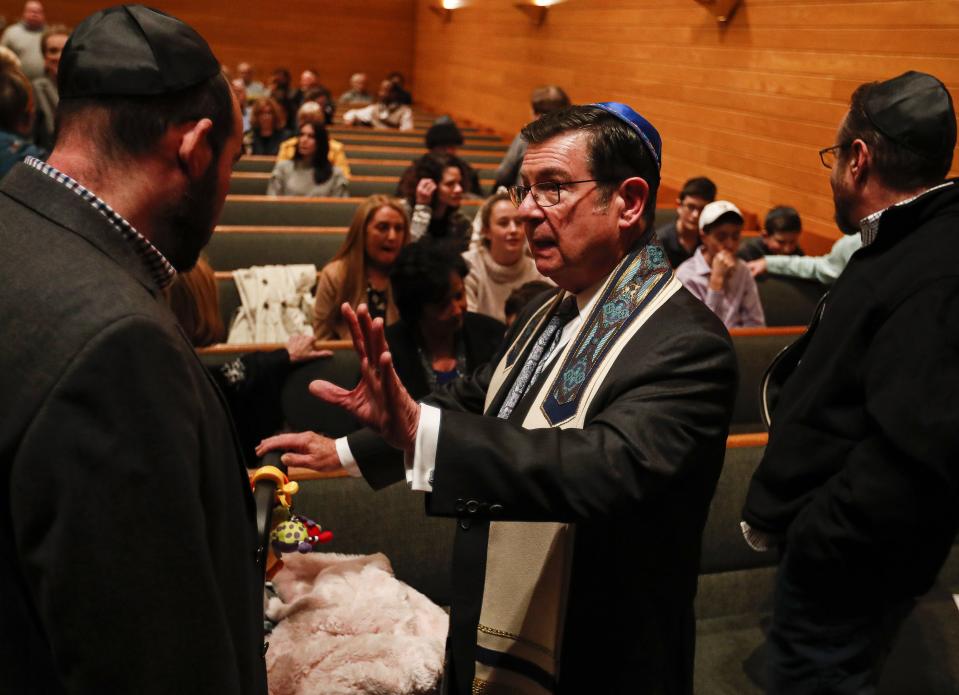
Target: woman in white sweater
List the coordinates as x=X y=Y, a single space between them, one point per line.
x=309 y=173
x=500 y=264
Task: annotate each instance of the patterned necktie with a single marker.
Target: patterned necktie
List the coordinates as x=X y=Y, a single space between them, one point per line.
x=535 y=363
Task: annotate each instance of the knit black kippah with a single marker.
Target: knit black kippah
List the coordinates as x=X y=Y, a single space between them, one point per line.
x=132 y=50
x=914 y=110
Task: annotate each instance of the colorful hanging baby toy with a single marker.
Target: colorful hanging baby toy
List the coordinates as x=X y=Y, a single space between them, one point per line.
x=291 y=532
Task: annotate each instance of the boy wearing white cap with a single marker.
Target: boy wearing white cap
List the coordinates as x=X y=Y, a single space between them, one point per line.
x=716 y=276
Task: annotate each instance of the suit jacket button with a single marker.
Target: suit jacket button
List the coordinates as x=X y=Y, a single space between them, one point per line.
x=496 y=509
x=459 y=506
x=472 y=506
x=465 y=524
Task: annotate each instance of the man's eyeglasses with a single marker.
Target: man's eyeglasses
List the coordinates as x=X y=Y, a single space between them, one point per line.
x=545 y=194
x=830 y=155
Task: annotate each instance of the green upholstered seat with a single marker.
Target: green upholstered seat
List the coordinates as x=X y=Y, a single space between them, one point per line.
x=386 y=152
x=298 y=212
x=788 y=301
x=262 y=165
x=252 y=184
x=233 y=250
x=754 y=353
x=370 y=168
x=289 y=212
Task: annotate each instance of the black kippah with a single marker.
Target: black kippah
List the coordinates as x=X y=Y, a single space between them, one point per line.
x=914 y=110
x=132 y=50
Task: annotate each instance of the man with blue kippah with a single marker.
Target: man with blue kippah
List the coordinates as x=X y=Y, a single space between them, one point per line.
x=126 y=518
x=580 y=463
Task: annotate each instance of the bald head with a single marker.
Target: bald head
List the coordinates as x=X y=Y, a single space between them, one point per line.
x=33 y=16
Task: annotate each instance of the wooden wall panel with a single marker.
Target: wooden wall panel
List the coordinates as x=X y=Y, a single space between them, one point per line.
x=336 y=37
x=748 y=104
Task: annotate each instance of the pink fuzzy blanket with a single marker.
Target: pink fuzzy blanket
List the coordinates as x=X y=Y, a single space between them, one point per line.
x=347 y=625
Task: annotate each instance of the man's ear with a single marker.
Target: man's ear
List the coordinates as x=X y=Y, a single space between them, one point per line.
x=634 y=193
x=195 y=153
x=859 y=161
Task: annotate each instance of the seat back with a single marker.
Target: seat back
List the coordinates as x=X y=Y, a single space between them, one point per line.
x=755 y=351
x=233 y=250
x=303 y=411
x=788 y=301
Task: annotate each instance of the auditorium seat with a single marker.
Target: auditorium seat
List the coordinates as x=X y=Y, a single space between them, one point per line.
x=415 y=144
x=788 y=301
x=360 y=152
x=735 y=583
x=755 y=349
x=297 y=212
x=229 y=250
x=734 y=603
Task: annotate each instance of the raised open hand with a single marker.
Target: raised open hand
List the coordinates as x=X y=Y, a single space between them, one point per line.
x=379 y=400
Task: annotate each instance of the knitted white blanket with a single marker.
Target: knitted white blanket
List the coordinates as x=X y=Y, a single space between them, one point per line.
x=347 y=625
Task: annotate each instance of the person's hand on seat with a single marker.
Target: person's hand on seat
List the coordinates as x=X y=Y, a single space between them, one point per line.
x=302 y=449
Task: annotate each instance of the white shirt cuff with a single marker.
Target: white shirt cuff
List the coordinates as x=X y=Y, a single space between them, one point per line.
x=346 y=458
x=420 y=464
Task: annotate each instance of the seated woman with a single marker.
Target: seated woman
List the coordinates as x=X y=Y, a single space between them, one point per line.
x=500 y=264
x=309 y=173
x=311 y=112
x=251 y=383
x=436 y=339
x=715 y=275
x=359 y=272
x=435 y=205
x=268 y=122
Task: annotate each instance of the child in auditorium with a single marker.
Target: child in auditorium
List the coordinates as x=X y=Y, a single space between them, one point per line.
x=780 y=236
x=715 y=275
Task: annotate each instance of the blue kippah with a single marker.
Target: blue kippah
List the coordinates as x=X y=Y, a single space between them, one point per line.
x=646 y=130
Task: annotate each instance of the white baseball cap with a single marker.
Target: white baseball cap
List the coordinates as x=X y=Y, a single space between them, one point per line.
x=716 y=209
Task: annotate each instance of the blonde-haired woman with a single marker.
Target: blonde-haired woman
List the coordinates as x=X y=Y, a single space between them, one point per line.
x=500 y=264
x=359 y=272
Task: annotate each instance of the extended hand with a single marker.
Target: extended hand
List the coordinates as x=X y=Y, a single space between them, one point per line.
x=306 y=449
x=379 y=400
x=757 y=267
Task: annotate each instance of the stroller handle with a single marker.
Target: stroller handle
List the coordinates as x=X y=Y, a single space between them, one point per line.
x=264 y=496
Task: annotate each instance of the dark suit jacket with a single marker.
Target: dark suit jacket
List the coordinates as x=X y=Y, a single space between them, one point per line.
x=636 y=480
x=127 y=530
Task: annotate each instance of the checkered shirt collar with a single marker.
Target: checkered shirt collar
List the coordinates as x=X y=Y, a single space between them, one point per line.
x=159 y=267
x=869 y=225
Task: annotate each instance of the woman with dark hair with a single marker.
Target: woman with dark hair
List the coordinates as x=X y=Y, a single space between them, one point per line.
x=251 y=383
x=268 y=123
x=309 y=173
x=360 y=271
x=435 y=205
x=436 y=339
x=500 y=264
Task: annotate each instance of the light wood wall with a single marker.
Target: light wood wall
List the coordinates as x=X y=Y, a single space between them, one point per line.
x=748 y=104
x=336 y=37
